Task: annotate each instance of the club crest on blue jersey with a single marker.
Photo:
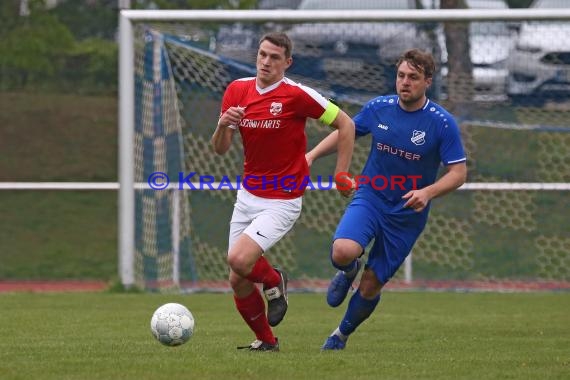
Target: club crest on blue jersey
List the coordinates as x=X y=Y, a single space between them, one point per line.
x=276 y=108
x=418 y=137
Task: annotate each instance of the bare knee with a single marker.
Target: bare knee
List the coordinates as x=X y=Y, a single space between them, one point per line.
x=240 y=264
x=344 y=251
x=243 y=255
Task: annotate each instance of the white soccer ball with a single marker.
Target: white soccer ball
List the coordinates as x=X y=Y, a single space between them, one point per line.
x=172 y=324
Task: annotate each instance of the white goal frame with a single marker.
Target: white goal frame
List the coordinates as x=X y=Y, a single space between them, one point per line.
x=127 y=87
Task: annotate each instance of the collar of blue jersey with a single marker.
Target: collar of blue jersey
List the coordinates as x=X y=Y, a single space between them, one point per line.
x=423 y=108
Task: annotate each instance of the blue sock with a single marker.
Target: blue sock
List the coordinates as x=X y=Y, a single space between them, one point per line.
x=358 y=310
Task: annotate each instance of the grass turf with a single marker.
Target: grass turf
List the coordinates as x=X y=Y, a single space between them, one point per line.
x=410 y=336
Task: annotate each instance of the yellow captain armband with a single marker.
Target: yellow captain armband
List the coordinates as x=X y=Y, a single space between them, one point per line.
x=330 y=113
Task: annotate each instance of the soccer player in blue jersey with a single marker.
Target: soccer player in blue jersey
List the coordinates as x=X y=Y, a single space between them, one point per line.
x=411 y=137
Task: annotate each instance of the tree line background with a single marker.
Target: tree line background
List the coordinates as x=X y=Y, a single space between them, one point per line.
x=72 y=47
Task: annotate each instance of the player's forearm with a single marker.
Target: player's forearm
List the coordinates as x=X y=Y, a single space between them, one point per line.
x=327 y=146
x=222 y=139
x=345 y=144
x=454 y=178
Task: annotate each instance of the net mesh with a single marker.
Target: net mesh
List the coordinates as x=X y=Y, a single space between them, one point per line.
x=475 y=235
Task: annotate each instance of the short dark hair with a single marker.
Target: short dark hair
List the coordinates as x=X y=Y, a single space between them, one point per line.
x=419 y=60
x=279 y=39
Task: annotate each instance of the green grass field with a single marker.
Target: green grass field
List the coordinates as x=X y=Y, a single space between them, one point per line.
x=411 y=336
x=73 y=235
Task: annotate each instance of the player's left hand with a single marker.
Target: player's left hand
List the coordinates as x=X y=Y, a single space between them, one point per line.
x=417 y=199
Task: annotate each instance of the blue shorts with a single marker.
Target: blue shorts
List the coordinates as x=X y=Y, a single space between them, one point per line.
x=394 y=234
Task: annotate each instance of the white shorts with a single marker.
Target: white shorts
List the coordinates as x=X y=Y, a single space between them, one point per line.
x=264 y=220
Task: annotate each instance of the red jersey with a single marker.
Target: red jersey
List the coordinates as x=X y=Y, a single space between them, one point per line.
x=273 y=134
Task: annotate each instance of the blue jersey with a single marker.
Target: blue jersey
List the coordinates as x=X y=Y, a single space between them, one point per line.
x=407 y=149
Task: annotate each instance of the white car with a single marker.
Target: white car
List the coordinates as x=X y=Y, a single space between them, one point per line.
x=490 y=44
x=539 y=66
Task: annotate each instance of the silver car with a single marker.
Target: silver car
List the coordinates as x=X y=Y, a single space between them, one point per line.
x=539 y=66
x=490 y=44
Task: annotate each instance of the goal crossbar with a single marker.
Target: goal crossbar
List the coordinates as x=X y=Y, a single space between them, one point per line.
x=197 y=186
x=349 y=15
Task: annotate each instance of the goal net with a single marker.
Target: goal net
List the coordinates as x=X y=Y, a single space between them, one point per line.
x=507 y=228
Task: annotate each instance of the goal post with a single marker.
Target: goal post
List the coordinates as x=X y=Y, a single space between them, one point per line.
x=126 y=152
x=169 y=88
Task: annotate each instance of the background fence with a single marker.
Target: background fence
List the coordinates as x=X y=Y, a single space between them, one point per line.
x=479 y=235
x=509 y=96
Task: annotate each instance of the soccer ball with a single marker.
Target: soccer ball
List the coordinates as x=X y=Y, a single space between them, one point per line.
x=172 y=324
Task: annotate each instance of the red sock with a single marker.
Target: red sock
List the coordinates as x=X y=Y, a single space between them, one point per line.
x=263 y=273
x=252 y=310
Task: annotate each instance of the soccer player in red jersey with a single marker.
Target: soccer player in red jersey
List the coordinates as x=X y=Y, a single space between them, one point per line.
x=270 y=112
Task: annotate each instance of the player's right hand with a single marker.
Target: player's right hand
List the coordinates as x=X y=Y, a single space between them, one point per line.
x=345 y=184
x=232 y=117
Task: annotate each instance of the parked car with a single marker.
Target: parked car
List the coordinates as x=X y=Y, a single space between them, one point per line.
x=552 y=4
x=539 y=66
x=278 y=4
x=239 y=41
x=490 y=45
x=355 y=59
